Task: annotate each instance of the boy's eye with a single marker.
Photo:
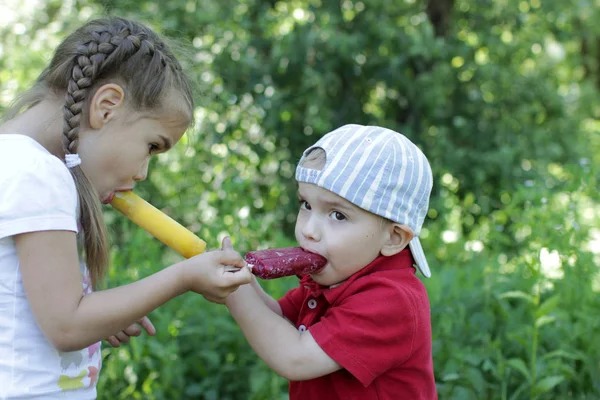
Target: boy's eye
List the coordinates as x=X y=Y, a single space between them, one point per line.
x=304 y=204
x=338 y=216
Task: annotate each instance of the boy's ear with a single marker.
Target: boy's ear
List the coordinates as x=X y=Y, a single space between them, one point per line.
x=399 y=237
x=105 y=103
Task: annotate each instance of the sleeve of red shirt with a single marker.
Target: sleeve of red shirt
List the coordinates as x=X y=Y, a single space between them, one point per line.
x=290 y=304
x=371 y=330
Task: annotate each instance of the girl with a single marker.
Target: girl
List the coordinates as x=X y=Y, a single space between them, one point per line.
x=112 y=96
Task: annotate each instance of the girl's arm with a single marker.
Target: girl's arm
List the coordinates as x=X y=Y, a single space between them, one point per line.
x=295 y=356
x=50 y=271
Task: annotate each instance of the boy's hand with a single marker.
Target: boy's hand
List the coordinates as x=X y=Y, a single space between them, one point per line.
x=132 y=330
x=215 y=274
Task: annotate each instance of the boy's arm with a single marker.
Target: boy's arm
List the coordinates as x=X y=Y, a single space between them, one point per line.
x=295 y=356
x=266 y=298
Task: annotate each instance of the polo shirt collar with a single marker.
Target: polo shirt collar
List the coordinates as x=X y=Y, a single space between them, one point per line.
x=402 y=260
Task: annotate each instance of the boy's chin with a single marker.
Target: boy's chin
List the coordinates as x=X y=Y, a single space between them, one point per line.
x=322 y=279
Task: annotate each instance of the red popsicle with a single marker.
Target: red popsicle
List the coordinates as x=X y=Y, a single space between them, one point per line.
x=277 y=263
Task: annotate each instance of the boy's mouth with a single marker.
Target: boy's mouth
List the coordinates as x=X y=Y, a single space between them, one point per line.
x=312 y=251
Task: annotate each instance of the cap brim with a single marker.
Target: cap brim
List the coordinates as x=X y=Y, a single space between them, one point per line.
x=419 y=256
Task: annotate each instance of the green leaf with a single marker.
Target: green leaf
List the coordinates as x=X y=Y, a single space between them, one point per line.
x=516 y=395
x=453 y=376
x=519 y=365
x=561 y=354
x=517 y=294
x=548 y=306
x=546 y=319
x=547 y=384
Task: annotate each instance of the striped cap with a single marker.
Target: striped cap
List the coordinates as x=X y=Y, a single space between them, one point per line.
x=378 y=170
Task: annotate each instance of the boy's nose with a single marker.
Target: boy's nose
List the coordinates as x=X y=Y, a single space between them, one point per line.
x=142 y=174
x=310 y=230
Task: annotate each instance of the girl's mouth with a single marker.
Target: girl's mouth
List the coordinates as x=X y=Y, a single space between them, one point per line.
x=109 y=198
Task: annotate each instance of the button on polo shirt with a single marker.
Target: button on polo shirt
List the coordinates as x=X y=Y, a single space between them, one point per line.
x=376 y=325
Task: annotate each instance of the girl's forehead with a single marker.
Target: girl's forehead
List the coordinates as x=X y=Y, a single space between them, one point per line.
x=174 y=119
x=170 y=115
x=175 y=111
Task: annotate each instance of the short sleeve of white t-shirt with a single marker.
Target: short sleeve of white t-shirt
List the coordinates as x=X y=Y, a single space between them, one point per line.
x=37 y=192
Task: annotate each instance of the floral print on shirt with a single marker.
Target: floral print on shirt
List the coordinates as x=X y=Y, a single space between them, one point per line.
x=76 y=358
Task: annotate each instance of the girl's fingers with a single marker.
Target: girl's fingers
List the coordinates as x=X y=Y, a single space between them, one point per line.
x=123 y=337
x=226 y=244
x=147 y=325
x=231 y=269
x=230 y=257
x=239 y=277
x=114 y=342
x=133 y=330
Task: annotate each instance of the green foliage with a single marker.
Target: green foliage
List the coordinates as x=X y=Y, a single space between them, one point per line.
x=503 y=98
x=512 y=324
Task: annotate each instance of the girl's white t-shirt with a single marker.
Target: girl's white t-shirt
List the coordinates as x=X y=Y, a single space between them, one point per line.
x=37 y=193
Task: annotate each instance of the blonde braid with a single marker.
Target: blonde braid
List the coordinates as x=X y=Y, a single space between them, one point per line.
x=104 y=47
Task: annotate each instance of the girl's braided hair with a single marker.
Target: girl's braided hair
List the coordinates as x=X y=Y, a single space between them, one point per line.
x=106 y=50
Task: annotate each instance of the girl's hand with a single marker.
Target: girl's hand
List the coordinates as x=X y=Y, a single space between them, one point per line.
x=216 y=274
x=132 y=330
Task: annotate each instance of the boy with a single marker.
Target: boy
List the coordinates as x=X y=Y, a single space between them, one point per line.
x=360 y=328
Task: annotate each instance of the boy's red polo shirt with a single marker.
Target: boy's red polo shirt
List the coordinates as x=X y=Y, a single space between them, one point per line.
x=376 y=325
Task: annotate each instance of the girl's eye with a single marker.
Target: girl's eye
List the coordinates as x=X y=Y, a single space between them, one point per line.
x=304 y=204
x=153 y=148
x=338 y=216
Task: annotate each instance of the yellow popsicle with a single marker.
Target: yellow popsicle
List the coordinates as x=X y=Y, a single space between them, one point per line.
x=158 y=224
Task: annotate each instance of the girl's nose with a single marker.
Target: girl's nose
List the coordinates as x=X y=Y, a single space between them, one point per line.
x=142 y=174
